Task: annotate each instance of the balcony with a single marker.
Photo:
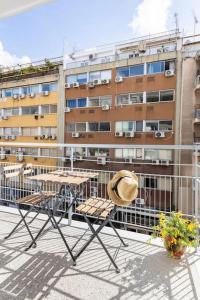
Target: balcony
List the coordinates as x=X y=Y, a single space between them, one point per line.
x=146 y=271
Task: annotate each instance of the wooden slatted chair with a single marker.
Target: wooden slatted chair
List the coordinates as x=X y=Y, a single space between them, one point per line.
x=103 y=210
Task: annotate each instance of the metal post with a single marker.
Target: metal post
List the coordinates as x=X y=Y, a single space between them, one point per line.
x=196 y=192
x=70 y=212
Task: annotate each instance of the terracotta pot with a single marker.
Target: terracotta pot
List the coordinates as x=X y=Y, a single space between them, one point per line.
x=175 y=250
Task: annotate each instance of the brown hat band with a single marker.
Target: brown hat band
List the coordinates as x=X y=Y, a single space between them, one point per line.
x=114 y=188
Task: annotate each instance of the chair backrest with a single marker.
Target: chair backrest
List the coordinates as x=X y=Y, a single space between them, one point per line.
x=15 y=170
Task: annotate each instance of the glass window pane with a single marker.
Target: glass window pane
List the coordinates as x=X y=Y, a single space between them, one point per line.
x=155 y=67
x=81 y=127
x=92 y=126
x=167 y=95
x=150 y=154
x=123 y=99
x=34 y=89
x=94 y=76
x=82 y=78
x=118 y=126
x=71 y=103
x=71 y=79
x=136 y=98
x=165 y=154
x=151 y=125
x=106 y=100
x=82 y=102
x=165 y=125
x=137 y=70
x=15 y=91
x=8 y=93
x=107 y=74
x=104 y=152
x=104 y=126
x=45 y=109
x=70 y=127
x=153 y=97
x=124 y=72
x=93 y=101
x=26 y=90
x=118 y=153
x=53 y=108
x=139 y=125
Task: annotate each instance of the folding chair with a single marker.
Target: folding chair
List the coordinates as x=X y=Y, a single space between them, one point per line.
x=103 y=211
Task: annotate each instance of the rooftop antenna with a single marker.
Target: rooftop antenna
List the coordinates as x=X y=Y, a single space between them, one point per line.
x=195 y=21
x=176 y=22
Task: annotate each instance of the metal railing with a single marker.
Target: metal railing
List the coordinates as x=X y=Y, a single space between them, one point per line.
x=157 y=192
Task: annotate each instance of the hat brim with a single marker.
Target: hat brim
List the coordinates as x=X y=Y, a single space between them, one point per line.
x=112 y=194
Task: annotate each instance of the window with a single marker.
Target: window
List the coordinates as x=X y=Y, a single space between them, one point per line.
x=7 y=93
x=104 y=126
x=123 y=72
x=30 y=151
x=129 y=126
x=153 y=154
x=170 y=65
x=11 y=112
x=93 y=126
x=158 y=125
x=70 y=127
x=150 y=182
x=151 y=125
x=80 y=78
x=105 y=100
x=128 y=153
x=137 y=70
x=26 y=90
x=81 y=127
x=48 y=130
x=49 y=87
x=29 y=131
x=16 y=91
x=71 y=103
x=30 y=110
x=127 y=99
x=165 y=125
x=35 y=89
x=152 y=97
x=106 y=74
x=48 y=109
x=155 y=67
x=94 y=152
x=94 y=101
x=48 y=152
x=81 y=102
x=11 y=131
x=167 y=95
x=76 y=152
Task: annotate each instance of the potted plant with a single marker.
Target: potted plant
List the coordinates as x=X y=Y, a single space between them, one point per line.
x=177 y=232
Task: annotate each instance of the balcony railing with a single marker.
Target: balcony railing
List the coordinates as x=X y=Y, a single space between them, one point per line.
x=157 y=192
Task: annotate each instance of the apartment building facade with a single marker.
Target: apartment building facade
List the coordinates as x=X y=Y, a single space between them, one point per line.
x=28 y=111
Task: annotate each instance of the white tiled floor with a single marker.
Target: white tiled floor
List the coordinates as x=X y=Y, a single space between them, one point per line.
x=47 y=272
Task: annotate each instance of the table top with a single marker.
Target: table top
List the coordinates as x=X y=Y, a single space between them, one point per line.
x=75 y=173
x=60 y=179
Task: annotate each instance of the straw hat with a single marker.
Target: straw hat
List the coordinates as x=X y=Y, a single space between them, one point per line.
x=123 y=187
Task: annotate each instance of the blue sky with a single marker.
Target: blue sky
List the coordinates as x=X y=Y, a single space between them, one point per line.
x=41 y=32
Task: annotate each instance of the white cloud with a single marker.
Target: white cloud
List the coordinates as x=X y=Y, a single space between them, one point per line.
x=151 y=17
x=8 y=59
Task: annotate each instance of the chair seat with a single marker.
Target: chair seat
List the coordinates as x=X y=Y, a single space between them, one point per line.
x=36 y=198
x=98 y=207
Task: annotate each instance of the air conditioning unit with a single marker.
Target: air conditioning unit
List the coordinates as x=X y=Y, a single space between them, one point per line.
x=32 y=95
x=42 y=137
x=101 y=160
x=156 y=162
x=97 y=82
x=20 y=156
x=13 y=137
x=165 y=162
x=75 y=134
x=2 y=155
x=169 y=73
x=160 y=50
x=91 y=84
x=36 y=117
x=139 y=201
x=5 y=118
x=15 y=97
x=92 y=56
x=22 y=96
x=119 y=133
x=53 y=137
x=46 y=137
x=129 y=134
x=75 y=84
x=67 y=109
x=159 y=134
x=67 y=85
x=6 y=137
x=105 y=107
x=118 y=79
x=45 y=93
x=132 y=55
x=105 y=81
x=129 y=160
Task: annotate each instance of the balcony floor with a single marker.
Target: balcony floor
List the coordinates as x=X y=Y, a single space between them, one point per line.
x=47 y=273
